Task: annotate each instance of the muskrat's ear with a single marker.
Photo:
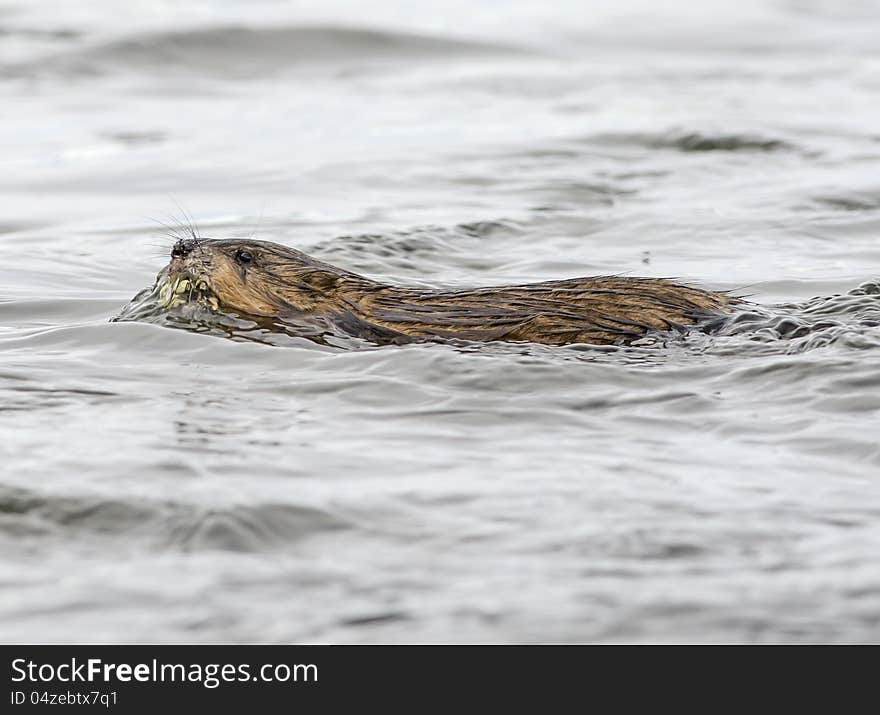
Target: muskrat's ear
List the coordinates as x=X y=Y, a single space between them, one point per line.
x=321 y=281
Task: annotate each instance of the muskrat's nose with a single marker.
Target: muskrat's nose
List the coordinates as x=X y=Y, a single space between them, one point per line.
x=183 y=248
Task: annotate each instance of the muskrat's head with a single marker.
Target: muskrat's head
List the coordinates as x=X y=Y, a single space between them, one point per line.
x=250 y=277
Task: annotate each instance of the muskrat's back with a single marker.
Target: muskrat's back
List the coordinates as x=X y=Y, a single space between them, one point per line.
x=599 y=310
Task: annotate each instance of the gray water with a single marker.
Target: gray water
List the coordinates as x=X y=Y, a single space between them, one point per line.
x=164 y=485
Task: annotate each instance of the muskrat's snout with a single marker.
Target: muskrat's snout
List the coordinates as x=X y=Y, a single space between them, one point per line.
x=183 y=247
x=192 y=256
x=186 y=277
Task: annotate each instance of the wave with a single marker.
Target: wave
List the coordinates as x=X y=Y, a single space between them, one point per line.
x=246 y=52
x=857 y=201
x=164 y=525
x=850 y=319
x=693 y=141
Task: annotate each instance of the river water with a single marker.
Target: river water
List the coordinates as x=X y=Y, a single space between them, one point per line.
x=163 y=485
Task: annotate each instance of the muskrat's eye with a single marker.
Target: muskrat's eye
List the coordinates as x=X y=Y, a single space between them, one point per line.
x=243 y=256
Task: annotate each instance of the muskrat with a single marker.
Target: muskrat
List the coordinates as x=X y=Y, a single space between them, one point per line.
x=264 y=280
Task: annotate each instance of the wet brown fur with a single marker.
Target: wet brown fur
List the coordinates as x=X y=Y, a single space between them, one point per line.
x=283 y=283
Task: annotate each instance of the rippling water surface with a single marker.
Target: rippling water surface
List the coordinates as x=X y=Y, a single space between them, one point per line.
x=159 y=484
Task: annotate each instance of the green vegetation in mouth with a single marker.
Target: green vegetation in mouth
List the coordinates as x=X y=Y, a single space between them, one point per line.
x=182 y=289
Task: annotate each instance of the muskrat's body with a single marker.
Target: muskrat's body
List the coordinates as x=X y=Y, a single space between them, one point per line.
x=258 y=278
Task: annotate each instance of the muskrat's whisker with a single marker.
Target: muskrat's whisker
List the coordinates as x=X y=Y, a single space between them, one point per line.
x=191 y=225
x=259 y=222
x=173 y=232
x=158 y=250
